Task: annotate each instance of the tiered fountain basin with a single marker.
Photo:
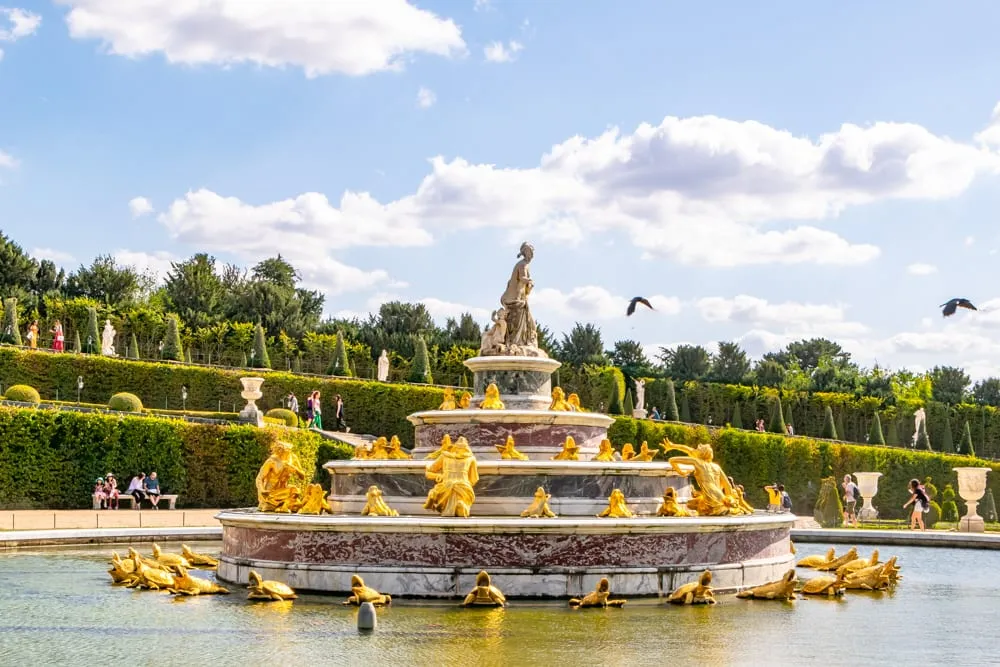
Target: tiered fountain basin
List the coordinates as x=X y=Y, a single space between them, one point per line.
x=505 y=488
x=525 y=383
x=538 y=433
x=439 y=557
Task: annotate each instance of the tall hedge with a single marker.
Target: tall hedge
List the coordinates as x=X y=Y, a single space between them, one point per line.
x=947 y=442
x=965 y=446
x=829 y=427
x=875 y=436
x=420 y=371
x=777 y=422
x=737 y=420
x=133 y=348
x=173 y=350
x=50 y=459
x=615 y=404
x=11 y=332
x=260 y=356
x=340 y=365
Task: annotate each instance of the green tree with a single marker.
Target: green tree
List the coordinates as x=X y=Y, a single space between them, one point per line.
x=339 y=364
x=18 y=270
x=892 y=433
x=737 y=420
x=965 y=446
x=133 y=348
x=686 y=362
x=949 y=509
x=949 y=384
x=582 y=345
x=987 y=392
x=777 y=423
x=629 y=406
x=615 y=405
x=396 y=327
x=875 y=432
x=769 y=373
x=173 y=350
x=194 y=291
x=261 y=359
x=947 y=443
x=420 y=370
x=730 y=365
x=108 y=282
x=464 y=332
x=808 y=353
x=93 y=343
x=11 y=333
x=685 y=415
x=670 y=412
x=631 y=359
x=788 y=416
x=829 y=427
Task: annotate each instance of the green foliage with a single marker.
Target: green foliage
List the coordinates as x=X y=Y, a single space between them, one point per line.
x=685 y=415
x=686 y=362
x=340 y=365
x=947 y=443
x=420 y=371
x=629 y=405
x=77 y=348
x=22 y=393
x=172 y=348
x=286 y=416
x=125 y=402
x=988 y=507
x=133 y=348
x=829 y=512
x=777 y=422
x=93 y=340
x=966 y=447
x=949 y=509
x=330 y=450
x=260 y=356
x=11 y=332
x=737 y=420
x=875 y=433
x=582 y=346
x=841 y=430
x=615 y=404
x=892 y=433
x=788 y=415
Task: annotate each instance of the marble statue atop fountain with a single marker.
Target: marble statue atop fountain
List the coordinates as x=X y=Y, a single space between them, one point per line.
x=514 y=332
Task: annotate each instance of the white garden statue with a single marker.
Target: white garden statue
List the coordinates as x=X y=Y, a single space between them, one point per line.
x=108 y=339
x=639 y=410
x=919 y=417
x=383 y=366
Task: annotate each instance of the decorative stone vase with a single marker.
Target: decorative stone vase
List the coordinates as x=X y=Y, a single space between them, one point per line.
x=251 y=392
x=971 y=486
x=868 y=486
x=639 y=413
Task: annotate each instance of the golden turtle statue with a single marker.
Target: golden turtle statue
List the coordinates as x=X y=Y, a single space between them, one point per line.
x=783 y=589
x=199 y=560
x=835 y=564
x=697 y=592
x=485 y=594
x=824 y=585
x=361 y=593
x=146 y=576
x=508 y=452
x=570 y=451
x=259 y=589
x=121 y=569
x=375 y=504
x=598 y=597
x=617 y=507
x=185 y=584
x=539 y=507
x=817 y=560
x=859 y=563
x=491 y=398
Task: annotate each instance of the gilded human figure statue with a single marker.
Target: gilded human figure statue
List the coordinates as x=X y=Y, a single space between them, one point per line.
x=522 y=333
x=716 y=496
x=455 y=474
x=275 y=492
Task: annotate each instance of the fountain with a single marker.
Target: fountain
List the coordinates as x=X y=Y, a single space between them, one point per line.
x=868 y=486
x=427 y=526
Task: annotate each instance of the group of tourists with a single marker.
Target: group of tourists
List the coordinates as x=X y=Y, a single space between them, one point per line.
x=314 y=411
x=58 y=337
x=140 y=488
x=778 y=500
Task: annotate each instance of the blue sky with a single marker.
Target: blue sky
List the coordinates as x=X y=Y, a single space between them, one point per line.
x=829 y=169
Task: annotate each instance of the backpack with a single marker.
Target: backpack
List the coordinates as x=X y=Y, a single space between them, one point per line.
x=786 y=501
x=857 y=493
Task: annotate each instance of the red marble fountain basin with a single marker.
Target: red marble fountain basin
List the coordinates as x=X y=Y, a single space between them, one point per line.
x=439 y=557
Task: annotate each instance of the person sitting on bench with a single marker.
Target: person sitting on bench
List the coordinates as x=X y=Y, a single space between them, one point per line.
x=111 y=491
x=137 y=489
x=153 y=490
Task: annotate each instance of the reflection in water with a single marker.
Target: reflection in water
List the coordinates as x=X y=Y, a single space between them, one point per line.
x=62 y=600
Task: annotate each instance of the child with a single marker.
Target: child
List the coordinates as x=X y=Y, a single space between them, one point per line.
x=102 y=497
x=773 y=497
x=111 y=491
x=58 y=338
x=920 y=501
x=786 y=500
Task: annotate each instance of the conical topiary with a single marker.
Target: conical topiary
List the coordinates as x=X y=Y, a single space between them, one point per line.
x=988 y=507
x=629 y=406
x=77 y=347
x=829 y=428
x=875 y=432
x=420 y=369
x=947 y=442
x=841 y=431
x=243 y=360
x=555 y=379
x=892 y=433
x=949 y=509
x=788 y=415
x=965 y=446
x=615 y=405
x=923 y=440
x=464 y=381
x=11 y=333
x=737 y=420
x=187 y=355
x=172 y=348
x=92 y=344
x=777 y=423
x=260 y=358
x=829 y=511
x=297 y=364
x=133 y=347
x=339 y=365
x=685 y=408
x=985 y=448
x=670 y=412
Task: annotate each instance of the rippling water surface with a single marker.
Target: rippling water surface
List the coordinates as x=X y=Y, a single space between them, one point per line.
x=57 y=607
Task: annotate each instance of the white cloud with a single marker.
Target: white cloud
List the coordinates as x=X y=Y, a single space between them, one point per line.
x=482 y=5
x=921 y=269
x=498 y=52
x=591 y=302
x=441 y=310
x=969 y=240
x=158 y=263
x=7 y=161
x=353 y=38
x=58 y=257
x=426 y=98
x=792 y=318
x=16 y=24
x=140 y=206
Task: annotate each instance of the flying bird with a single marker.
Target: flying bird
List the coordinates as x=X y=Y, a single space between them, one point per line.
x=950 y=307
x=637 y=300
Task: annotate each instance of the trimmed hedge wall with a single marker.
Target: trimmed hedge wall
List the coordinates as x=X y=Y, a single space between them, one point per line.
x=50 y=458
x=756 y=459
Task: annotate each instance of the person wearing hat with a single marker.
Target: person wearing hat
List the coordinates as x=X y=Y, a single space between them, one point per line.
x=111 y=491
x=99 y=493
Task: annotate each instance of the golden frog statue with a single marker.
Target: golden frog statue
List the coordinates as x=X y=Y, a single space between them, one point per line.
x=670 y=506
x=449 y=400
x=508 y=452
x=361 y=593
x=122 y=570
x=605 y=452
x=835 y=564
x=646 y=453
x=628 y=452
x=540 y=506
x=375 y=504
x=817 y=560
x=314 y=501
x=617 y=507
x=491 y=399
x=185 y=584
x=275 y=492
x=485 y=594
x=716 y=496
x=168 y=561
x=380 y=449
x=259 y=589
x=446 y=446
x=598 y=597
x=455 y=473
x=783 y=589
x=570 y=451
x=559 y=402
x=465 y=400
x=574 y=403
x=396 y=451
x=830 y=586
x=199 y=560
x=697 y=592
x=859 y=563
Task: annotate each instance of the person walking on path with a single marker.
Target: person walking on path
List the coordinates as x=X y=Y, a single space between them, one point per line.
x=851 y=494
x=340 y=423
x=920 y=502
x=317 y=409
x=58 y=337
x=293 y=403
x=33 y=335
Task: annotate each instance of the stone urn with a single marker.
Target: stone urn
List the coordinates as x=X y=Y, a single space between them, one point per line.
x=868 y=486
x=251 y=392
x=971 y=486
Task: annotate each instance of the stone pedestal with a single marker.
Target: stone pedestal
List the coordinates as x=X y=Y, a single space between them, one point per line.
x=251 y=393
x=525 y=383
x=868 y=486
x=639 y=413
x=971 y=486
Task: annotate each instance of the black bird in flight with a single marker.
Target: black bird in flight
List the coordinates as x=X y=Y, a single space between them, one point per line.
x=637 y=300
x=950 y=307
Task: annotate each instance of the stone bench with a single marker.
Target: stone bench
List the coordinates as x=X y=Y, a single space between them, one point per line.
x=170 y=498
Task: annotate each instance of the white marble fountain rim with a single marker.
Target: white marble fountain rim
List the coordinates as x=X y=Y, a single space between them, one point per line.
x=495 y=467
x=504 y=525
x=508 y=363
x=477 y=416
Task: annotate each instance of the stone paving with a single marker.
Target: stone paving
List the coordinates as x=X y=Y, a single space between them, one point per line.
x=87 y=519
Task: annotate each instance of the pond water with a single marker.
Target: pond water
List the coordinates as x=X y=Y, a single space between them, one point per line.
x=58 y=607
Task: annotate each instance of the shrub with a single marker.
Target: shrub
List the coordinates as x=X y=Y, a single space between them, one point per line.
x=670 y=412
x=11 y=332
x=330 y=450
x=965 y=446
x=737 y=420
x=77 y=348
x=420 y=371
x=829 y=511
x=615 y=404
x=339 y=364
x=892 y=433
x=629 y=406
x=685 y=415
x=133 y=348
x=988 y=508
x=829 y=427
x=947 y=442
x=949 y=509
x=260 y=357
x=22 y=393
x=93 y=345
x=172 y=348
x=875 y=433
x=287 y=417
x=777 y=423
x=125 y=402
x=923 y=440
